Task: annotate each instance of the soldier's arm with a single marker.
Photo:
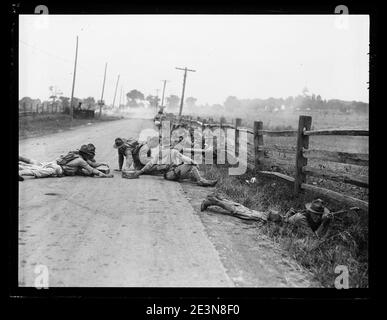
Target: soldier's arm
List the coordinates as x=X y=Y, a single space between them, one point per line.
x=94 y=163
x=120 y=161
x=90 y=169
x=128 y=159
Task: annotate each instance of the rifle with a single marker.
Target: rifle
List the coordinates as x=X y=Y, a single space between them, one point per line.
x=327 y=218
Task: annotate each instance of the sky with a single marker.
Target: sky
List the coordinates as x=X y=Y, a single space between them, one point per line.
x=247 y=56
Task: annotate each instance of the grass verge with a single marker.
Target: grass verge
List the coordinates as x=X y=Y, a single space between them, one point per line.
x=42 y=124
x=345 y=244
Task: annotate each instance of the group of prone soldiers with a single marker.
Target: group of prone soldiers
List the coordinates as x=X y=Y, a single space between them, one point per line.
x=173 y=165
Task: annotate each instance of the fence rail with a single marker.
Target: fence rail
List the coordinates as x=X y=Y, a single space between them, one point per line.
x=26 y=109
x=360 y=159
x=300 y=153
x=337 y=132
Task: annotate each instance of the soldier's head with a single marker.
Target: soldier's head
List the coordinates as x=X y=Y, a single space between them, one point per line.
x=317 y=207
x=86 y=153
x=118 y=142
x=91 y=147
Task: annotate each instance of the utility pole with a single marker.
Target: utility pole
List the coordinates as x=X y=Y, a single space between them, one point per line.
x=182 y=94
x=157 y=98
x=115 y=92
x=72 y=90
x=103 y=88
x=120 y=97
x=162 y=99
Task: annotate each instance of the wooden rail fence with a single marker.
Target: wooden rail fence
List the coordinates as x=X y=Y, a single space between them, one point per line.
x=301 y=151
x=26 y=109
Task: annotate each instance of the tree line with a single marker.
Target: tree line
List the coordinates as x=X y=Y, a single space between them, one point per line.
x=301 y=102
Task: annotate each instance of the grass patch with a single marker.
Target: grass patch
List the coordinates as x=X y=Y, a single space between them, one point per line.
x=42 y=124
x=346 y=242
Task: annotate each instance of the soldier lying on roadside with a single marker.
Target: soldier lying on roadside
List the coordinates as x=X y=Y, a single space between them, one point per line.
x=314 y=219
x=82 y=162
x=79 y=162
x=175 y=166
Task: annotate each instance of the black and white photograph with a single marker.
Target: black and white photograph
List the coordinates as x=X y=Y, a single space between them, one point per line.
x=177 y=150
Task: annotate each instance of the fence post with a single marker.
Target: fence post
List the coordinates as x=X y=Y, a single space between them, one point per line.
x=304 y=123
x=238 y=123
x=258 y=143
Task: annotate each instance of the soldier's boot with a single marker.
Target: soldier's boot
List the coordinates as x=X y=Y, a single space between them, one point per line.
x=202 y=181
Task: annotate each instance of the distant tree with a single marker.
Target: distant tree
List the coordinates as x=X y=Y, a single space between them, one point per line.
x=135 y=95
x=65 y=102
x=25 y=101
x=172 y=101
x=360 y=107
x=232 y=103
x=191 y=102
x=88 y=103
x=153 y=100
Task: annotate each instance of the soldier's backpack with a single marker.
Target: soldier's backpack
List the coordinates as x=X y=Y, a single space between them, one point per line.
x=64 y=159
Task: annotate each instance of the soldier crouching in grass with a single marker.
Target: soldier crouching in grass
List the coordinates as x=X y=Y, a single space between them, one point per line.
x=314 y=218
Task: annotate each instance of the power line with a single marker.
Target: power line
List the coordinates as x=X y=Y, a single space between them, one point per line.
x=86 y=69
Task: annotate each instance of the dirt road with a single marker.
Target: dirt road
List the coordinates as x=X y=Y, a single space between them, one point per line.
x=110 y=232
x=132 y=233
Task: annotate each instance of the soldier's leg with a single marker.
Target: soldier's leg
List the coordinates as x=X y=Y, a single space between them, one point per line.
x=38 y=172
x=201 y=181
x=30 y=161
x=238 y=210
x=156 y=169
x=185 y=171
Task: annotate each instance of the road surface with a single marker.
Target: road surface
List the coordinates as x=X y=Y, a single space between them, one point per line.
x=110 y=232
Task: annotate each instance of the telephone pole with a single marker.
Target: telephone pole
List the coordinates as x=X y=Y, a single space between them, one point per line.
x=115 y=92
x=72 y=90
x=162 y=99
x=157 y=98
x=182 y=94
x=103 y=88
x=120 y=97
